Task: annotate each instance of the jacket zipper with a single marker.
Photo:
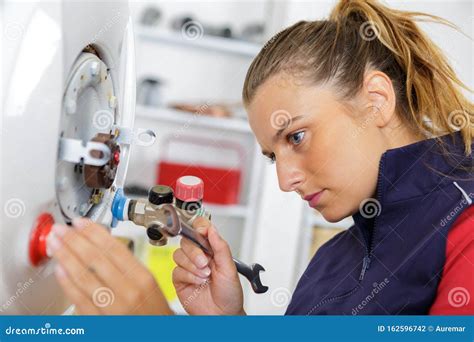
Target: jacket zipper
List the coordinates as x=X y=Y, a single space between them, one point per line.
x=365 y=266
x=366 y=260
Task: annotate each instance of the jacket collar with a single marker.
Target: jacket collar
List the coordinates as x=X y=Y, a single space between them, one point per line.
x=416 y=170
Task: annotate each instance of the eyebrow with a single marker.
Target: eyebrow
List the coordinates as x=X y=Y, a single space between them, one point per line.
x=281 y=130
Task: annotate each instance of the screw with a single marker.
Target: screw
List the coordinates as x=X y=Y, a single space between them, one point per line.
x=112 y=102
x=71 y=106
x=83 y=209
x=94 y=69
x=62 y=183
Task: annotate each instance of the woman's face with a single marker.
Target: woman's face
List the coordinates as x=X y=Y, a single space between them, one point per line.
x=321 y=145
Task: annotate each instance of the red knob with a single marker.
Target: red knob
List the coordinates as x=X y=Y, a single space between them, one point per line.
x=189 y=189
x=116 y=157
x=37 y=247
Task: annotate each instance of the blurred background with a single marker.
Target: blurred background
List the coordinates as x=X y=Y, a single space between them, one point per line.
x=191 y=61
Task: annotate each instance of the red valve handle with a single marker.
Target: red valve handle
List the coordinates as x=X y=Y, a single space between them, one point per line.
x=39 y=234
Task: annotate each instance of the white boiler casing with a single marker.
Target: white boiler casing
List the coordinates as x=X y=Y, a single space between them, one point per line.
x=50 y=49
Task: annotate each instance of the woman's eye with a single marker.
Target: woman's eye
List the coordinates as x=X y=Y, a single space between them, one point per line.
x=296 y=138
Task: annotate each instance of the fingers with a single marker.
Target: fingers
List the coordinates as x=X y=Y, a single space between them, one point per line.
x=222 y=254
x=222 y=259
x=86 y=281
x=90 y=256
x=121 y=257
x=191 y=250
x=83 y=279
x=84 y=305
x=194 y=253
x=202 y=225
x=184 y=277
x=91 y=268
x=184 y=262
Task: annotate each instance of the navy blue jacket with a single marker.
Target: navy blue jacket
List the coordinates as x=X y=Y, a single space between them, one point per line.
x=391 y=260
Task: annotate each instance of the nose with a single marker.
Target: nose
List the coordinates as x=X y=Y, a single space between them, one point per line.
x=290 y=175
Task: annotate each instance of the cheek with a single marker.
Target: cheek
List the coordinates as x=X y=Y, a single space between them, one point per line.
x=357 y=171
x=348 y=169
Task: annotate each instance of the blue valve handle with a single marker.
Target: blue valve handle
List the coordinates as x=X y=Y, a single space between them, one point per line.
x=118 y=207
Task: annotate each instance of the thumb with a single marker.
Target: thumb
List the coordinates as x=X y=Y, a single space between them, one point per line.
x=202 y=225
x=222 y=254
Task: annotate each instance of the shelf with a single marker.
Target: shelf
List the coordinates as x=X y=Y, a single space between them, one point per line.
x=316 y=219
x=193 y=119
x=206 y=43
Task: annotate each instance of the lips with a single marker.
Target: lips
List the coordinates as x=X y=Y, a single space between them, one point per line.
x=313 y=199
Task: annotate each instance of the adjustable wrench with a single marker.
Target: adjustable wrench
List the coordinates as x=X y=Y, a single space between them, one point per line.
x=174 y=226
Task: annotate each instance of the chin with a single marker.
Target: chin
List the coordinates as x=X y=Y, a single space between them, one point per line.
x=334 y=215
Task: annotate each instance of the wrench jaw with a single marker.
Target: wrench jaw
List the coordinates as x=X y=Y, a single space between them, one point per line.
x=256 y=283
x=173 y=225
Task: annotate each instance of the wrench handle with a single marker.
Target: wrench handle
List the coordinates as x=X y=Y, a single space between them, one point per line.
x=176 y=226
x=243 y=269
x=252 y=273
x=191 y=234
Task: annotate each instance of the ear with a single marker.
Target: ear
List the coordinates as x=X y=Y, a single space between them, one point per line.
x=380 y=96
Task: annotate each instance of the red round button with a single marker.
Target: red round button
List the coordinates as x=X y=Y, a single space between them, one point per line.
x=39 y=234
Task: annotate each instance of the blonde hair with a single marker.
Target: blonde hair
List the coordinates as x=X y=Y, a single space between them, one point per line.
x=362 y=34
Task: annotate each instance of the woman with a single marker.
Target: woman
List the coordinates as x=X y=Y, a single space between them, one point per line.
x=363 y=117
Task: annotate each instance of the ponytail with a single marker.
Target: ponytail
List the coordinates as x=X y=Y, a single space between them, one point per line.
x=363 y=33
x=435 y=103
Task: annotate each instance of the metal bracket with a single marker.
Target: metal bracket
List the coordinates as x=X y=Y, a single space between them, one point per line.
x=73 y=151
x=128 y=137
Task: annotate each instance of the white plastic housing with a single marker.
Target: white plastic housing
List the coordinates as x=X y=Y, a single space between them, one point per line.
x=41 y=43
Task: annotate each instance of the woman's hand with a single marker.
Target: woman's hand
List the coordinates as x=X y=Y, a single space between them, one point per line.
x=207 y=286
x=100 y=275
